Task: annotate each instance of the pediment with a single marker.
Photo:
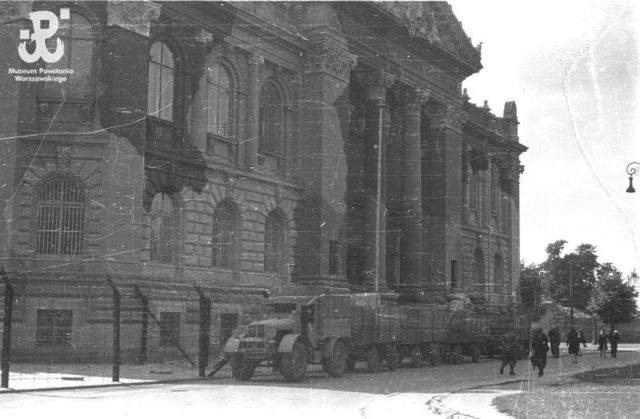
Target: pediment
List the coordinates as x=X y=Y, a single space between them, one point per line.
x=435 y=23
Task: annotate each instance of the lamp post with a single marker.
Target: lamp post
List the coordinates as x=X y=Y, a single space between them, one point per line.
x=632 y=170
x=571 y=293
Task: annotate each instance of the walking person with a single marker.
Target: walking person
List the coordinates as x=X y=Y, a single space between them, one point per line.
x=554 y=341
x=573 y=342
x=614 y=339
x=540 y=347
x=510 y=352
x=602 y=344
x=583 y=341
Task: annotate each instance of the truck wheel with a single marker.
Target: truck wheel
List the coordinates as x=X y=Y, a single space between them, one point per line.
x=294 y=364
x=416 y=356
x=373 y=359
x=338 y=360
x=475 y=353
x=392 y=358
x=240 y=369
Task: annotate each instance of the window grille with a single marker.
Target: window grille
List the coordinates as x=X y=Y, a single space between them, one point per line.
x=170 y=330
x=161 y=82
x=274 y=254
x=60 y=217
x=164 y=226
x=53 y=327
x=225 y=236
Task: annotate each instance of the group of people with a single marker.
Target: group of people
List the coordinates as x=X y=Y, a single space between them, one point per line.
x=541 y=344
x=613 y=337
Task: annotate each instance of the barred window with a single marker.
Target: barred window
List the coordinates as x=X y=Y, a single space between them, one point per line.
x=274 y=252
x=225 y=236
x=60 y=207
x=53 y=327
x=170 y=330
x=228 y=322
x=164 y=229
x=161 y=82
x=271 y=119
x=220 y=101
x=474 y=193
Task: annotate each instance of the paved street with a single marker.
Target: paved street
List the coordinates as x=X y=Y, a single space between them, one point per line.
x=452 y=391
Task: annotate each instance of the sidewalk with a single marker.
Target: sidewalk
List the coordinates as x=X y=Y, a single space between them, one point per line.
x=54 y=376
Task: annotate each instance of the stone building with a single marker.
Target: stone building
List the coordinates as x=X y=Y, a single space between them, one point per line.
x=230 y=148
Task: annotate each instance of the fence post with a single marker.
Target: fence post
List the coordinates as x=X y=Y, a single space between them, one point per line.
x=116 y=333
x=204 y=323
x=6 y=329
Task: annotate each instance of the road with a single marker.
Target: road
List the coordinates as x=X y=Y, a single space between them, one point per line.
x=450 y=391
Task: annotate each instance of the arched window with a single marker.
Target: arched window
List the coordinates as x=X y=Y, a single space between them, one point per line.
x=271 y=119
x=164 y=229
x=274 y=243
x=60 y=206
x=225 y=236
x=496 y=207
x=498 y=271
x=78 y=37
x=219 y=101
x=161 y=82
x=478 y=268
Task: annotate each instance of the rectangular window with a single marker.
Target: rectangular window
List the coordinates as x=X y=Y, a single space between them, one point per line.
x=170 y=330
x=53 y=328
x=228 y=322
x=333 y=257
x=454 y=274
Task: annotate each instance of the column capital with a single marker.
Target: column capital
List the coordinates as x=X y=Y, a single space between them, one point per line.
x=255 y=60
x=133 y=16
x=376 y=82
x=325 y=57
x=413 y=98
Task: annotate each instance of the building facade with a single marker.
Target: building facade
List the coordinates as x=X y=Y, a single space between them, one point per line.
x=180 y=148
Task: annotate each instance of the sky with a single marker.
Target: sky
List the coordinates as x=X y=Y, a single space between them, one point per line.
x=573 y=69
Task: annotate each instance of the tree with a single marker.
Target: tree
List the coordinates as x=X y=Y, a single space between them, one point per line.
x=531 y=280
x=612 y=299
x=571 y=277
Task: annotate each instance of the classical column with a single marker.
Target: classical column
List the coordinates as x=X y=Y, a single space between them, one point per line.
x=376 y=84
x=411 y=239
x=252 y=122
x=443 y=205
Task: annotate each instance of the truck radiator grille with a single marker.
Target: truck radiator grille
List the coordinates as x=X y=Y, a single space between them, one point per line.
x=256 y=331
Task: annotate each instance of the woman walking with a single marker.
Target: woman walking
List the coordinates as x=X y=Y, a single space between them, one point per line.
x=573 y=342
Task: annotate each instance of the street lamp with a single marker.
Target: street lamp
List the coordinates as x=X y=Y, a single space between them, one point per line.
x=632 y=170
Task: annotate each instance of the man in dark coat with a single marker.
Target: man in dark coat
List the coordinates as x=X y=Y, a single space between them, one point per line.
x=554 y=340
x=540 y=347
x=614 y=339
x=510 y=352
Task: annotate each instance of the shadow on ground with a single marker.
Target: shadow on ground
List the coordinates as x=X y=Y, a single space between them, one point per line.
x=628 y=374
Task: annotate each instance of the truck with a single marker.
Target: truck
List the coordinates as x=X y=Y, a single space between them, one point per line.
x=335 y=331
